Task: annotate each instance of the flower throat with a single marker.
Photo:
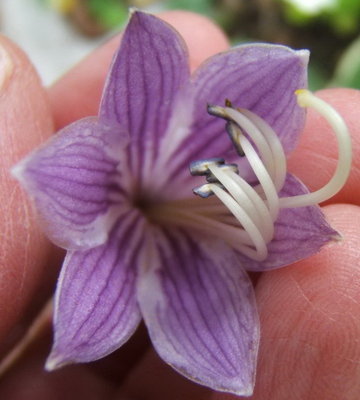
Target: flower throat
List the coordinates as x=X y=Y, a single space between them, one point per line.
x=256 y=208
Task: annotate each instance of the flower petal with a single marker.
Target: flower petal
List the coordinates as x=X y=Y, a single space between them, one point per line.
x=146 y=74
x=258 y=77
x=96 y=309
x=299 y=232
x=74 y=181
x=199 y=307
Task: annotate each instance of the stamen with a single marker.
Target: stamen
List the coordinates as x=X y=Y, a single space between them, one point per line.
x=204 y=191
x=240 y=214
x=217 y=111
x=307 y=99
x=234 y=235
x=258 y=138
x=262 y=175
x=257 y=208
x=251 y=202
x=234 y=136
x=211 y=178
x=201 y=167
x=254 y=214
x=259 y=204
x=236 y=192
x=277 y=150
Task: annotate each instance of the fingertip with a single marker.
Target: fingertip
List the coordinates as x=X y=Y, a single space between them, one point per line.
x=310 y=315
x=203 y=37
x=340 y=98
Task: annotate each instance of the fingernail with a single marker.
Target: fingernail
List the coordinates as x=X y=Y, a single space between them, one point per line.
x=6 y=67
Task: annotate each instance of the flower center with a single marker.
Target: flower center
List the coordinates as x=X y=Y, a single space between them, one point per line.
x=256 y=208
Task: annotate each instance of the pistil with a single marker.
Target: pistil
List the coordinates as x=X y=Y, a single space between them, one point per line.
x=338 y=180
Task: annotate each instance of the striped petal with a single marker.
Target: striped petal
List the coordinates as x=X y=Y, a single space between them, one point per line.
x=199 y=307
x=259 y=77
x=142 y=86
x=74 y=179
x=299 y=232
x=95 y=308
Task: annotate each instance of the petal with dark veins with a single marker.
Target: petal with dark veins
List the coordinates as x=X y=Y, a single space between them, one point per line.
x=299 y=232
x=260 y=77
x=142 y=86
x=74 y=180
x=199 y=307
x=95 y=306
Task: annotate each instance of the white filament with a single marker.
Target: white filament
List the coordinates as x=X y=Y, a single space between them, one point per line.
x=263 y=176
x=237 y=192
x=246 y=222
x=250 y=200
x=275 y=146
x=256 y=135
x=257 y=210
x=267 y=225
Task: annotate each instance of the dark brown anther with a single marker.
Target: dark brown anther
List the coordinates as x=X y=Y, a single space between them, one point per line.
x=233 y=131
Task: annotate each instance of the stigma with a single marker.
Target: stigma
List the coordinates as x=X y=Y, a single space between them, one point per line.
x=256 y=207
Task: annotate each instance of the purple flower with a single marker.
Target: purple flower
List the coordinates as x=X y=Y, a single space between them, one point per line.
x=116 y=192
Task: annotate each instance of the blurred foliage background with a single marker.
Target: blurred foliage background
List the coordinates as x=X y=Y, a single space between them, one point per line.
x=329 y=28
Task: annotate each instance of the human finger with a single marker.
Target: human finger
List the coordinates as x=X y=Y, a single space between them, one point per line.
x=310 y=321
x=158 y=382
x=25 y=254
x=72 y=383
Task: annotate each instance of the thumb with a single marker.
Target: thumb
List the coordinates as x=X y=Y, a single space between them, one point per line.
x=25 y=122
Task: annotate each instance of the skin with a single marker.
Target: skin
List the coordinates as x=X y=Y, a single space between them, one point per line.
x=310 y=311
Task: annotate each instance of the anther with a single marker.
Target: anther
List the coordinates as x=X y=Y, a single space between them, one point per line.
x=224 y=167
x=205 y=190
x=233 y=131
x=217 y=111
x=231 y=128
x=201 y=167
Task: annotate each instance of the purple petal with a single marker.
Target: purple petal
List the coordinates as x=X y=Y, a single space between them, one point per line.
x=96 y=309
x=199 y=307
x=146 y=75
x=299 y=232
x=74 y=181
x=258 y=77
